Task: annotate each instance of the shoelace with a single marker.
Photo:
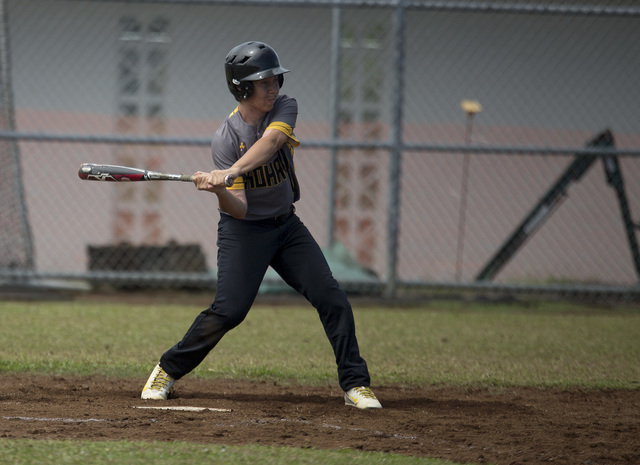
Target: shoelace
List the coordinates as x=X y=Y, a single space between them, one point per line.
x=160 y=382
x=365 y=392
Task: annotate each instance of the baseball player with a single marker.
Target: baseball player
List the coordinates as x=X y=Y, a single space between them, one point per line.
x=258 y=228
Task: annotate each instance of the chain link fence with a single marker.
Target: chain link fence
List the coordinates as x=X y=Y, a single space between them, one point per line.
x=488 y=146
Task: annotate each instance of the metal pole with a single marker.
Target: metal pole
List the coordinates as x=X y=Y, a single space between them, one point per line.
x=336 y=32
x=396 y=150
x=463 y=199
x=470 y=107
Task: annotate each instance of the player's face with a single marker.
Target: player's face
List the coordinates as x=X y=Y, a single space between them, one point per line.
x=265 y=93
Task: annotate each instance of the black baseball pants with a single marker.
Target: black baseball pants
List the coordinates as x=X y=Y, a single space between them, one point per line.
x=245 y=251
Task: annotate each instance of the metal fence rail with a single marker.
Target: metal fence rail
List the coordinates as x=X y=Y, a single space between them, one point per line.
x=406 y=187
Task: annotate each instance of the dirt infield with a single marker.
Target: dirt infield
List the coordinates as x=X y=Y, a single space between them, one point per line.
x=501 y=426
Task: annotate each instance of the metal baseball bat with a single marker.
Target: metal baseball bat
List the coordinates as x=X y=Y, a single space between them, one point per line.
x=115 y=173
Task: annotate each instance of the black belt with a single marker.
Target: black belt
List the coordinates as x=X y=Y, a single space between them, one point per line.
x=280 y=219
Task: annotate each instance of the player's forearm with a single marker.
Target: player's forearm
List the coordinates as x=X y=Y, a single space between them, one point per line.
x=231 y=204
x=259 y=154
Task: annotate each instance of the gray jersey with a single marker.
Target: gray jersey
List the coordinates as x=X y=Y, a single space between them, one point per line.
x=272 y=187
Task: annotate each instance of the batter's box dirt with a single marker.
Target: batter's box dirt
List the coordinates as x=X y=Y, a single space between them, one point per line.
x=501 y=426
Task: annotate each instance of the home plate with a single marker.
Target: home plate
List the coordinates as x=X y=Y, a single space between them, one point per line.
x=188 y=409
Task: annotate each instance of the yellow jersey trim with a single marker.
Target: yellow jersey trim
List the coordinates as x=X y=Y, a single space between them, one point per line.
x=288 y=130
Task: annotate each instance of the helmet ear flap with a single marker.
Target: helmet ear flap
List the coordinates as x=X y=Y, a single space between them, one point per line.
x=245 y=89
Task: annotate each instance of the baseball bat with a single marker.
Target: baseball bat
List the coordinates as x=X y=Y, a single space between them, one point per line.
x=115 y=173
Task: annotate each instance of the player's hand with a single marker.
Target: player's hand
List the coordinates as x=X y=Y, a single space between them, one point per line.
x=212 y=182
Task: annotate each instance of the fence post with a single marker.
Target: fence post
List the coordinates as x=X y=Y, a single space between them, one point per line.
x=336 y=32
x=397 y=89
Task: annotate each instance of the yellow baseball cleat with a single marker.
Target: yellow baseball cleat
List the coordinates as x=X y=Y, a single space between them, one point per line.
x=158 y=385
x=361 y=397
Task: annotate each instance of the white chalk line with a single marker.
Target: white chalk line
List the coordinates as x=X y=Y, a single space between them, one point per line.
x=63 y=420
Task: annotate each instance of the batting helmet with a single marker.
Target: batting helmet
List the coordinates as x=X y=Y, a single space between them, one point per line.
x=248 y=62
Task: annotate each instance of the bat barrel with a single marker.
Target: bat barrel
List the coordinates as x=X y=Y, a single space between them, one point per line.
x=115 y=173
x=112 y=173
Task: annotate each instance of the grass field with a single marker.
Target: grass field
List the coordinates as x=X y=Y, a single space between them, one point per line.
x=447 y=343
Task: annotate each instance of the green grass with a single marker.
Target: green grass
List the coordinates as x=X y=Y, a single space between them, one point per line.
x=24 y=452
x=449 y=343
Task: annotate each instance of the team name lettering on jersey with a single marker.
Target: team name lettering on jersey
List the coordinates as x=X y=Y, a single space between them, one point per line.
x=269 y=175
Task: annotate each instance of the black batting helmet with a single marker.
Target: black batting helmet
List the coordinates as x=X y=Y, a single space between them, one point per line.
x=248 y=62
